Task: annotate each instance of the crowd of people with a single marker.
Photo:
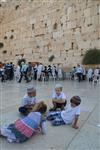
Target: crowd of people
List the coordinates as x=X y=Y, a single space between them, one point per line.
x=79 y=72
x=28 y=72
x=40 y=72
x=34 y=115
x=34 y=112
x=6 y=71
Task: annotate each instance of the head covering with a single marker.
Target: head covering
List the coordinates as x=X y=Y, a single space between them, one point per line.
x=22 y=63
x=58 y=86
x=76 y=100
x=30 y=89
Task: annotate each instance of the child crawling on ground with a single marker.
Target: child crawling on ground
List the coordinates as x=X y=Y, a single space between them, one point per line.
x=68 y=116
x=24 y=128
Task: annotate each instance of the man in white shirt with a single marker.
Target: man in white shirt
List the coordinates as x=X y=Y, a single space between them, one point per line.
x=90 y=74
x=96 y=72
x=23 y=72
x=39 y=71
x=79 y=72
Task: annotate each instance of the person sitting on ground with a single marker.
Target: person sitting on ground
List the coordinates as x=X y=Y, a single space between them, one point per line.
x=58 y=98
x=68 y=116
x=29 y=101
x=24 y=128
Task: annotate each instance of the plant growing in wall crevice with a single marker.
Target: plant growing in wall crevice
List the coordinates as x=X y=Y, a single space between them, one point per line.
x=92 y=57
x=5 y=37
x=16 y=7
x=11 y=37
x=51 y=58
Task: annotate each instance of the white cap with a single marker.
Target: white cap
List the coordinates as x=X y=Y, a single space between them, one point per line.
x=31 y=88
x=58 y=86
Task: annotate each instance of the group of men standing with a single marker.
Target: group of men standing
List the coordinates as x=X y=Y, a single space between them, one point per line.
x=81 y=73
x=41 y=72
x=37 y=72
x=7 y=71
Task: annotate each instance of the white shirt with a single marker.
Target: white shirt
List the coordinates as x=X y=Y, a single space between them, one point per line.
x=90 y=71
x=28 y=100
x=96 y=72
x=39 y=69
x=69 y=114
x=53 y=70
x=61 y=96
x=79 y=70
x=60 y=73
x=36 y=116
x=17 y=71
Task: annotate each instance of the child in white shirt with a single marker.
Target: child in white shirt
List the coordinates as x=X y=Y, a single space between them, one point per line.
x=68 y=116
x=29 y=101
x=58 y=98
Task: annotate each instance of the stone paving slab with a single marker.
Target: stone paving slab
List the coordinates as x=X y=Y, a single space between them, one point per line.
x=89 y=135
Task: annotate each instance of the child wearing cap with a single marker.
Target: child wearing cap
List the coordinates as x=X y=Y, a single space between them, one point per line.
x=58 y=98
x=29 y=101
x=68 y=116
x=23 y=129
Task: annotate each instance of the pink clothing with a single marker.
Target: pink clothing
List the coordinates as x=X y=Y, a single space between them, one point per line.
x=24 y=129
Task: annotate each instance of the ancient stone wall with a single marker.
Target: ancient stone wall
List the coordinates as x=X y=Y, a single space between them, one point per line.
x=38 y=29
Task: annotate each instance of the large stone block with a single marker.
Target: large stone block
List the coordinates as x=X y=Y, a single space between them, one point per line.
x=40 y=31
x=71 y=24
x=88 y=21
x=58 y=34
x=88 y=29
x=87 y=12
x=67 y=45
x=95 y=21
x=77 y=28
x=96 y=44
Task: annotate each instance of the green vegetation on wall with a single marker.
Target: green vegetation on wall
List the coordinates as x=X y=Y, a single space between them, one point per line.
x=51 y=58
x=92 y=57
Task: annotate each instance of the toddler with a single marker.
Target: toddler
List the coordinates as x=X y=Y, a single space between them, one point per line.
x=58 y=98
x=24 y=128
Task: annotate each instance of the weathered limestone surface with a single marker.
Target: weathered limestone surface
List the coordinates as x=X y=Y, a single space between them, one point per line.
x=41 y=28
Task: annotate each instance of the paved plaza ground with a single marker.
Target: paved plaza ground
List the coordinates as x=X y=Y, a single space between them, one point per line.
x=87 y=137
